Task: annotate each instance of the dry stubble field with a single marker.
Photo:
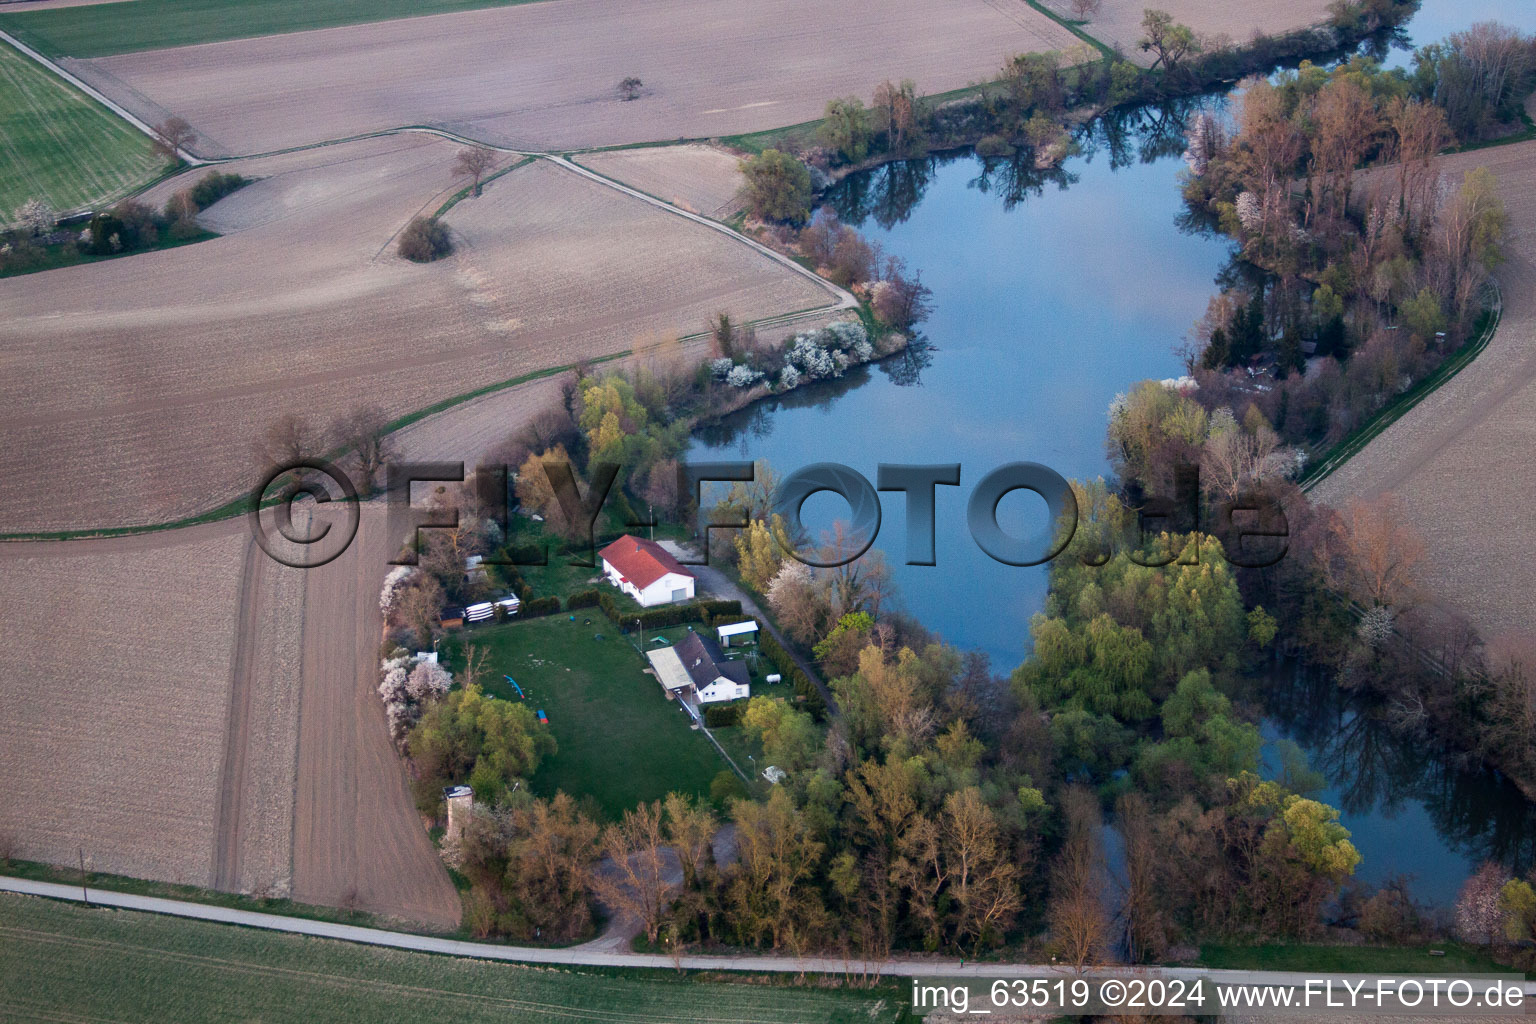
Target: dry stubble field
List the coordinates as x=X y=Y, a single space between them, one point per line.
x=542 y=76
x=1461 y=462
x=133 y=389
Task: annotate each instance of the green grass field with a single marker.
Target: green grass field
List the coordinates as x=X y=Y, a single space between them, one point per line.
x=66 y=962
x=97 y=30
x=58 y=144
x=621 y=741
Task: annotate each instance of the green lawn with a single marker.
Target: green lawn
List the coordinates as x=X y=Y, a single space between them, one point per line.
x=58 y=144
x=97 y=30
x=1350 y=959
x=66 y=962
x=621 y=741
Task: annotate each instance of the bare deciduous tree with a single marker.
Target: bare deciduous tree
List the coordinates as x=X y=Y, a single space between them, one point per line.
x=896 y=105
x=172 y=137
x=1078 y=919
x=1377 y=552
x=635 y=880
x=1082 y=10
x=364 y=431
x=1142 y=909
x=473 y=163
x=289 y=440
x=691 y=828
x=475 y=657
x=629 y=88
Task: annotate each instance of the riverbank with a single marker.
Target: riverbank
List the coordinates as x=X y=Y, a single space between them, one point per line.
x=963 y=118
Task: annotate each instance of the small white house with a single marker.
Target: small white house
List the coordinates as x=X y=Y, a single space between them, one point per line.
x=694 y=671
x=646 y=572
x=738 y=633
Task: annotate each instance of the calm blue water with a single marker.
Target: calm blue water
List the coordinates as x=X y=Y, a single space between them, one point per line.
x=1437 y=19
x=1050 y=297
x=1042 y=313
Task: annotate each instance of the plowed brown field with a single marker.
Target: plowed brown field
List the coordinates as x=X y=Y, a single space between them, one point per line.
x=207 y=716
x=542 y=76
x=1461 y=461
x=357 y=840
x=115 y=740
x=700 y=178
x=134 y=389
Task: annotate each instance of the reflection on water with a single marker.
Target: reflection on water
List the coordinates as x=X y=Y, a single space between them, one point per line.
x=1396 y=796
x=1044 y=309
x=1054 y=290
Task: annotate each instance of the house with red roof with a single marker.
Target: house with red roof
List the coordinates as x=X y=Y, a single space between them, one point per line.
x=646 y=571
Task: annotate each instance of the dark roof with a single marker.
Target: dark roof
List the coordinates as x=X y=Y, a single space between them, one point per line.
x=702 y=658
x=642 y=562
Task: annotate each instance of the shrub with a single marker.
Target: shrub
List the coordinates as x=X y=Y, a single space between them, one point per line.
x=214 y=186
x=778 y=187
x=141 y=224
x=993 y=146
x=725 y=787
x=854 y=260
x=425 y=239
x=18 y=251
x=108 y=235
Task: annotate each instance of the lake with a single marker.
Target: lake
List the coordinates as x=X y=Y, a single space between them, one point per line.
x=1043 y=309
x=1052 y=294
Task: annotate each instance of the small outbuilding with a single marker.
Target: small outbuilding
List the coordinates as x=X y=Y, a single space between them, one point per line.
x=738 y=633
x=461 y=807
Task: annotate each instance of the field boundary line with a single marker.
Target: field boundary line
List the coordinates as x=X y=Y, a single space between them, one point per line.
x=1340 y=454
x=845 y=298
x=94 y=94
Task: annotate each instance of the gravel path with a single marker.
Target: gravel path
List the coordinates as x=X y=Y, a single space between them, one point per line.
x=914 y=967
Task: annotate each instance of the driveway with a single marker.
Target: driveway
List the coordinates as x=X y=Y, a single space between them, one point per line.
x=722 y=586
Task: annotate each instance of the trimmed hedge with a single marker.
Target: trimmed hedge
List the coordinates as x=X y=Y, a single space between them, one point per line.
x=723 y=716
x=668 y=615
x=802 y=683
x=540 y=606
x=584 y=599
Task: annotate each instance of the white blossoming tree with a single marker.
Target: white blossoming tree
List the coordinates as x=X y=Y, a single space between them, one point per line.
x=36 y=217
